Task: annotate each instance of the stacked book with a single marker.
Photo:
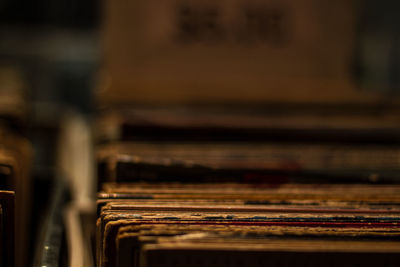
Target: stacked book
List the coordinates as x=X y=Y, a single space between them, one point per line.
x=216 y=189
x=241 y=224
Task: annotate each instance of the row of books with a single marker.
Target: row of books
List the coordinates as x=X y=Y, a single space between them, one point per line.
x=241 y=224
x=205 y=188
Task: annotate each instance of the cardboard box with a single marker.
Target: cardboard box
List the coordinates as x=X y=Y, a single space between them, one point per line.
x=232 y=51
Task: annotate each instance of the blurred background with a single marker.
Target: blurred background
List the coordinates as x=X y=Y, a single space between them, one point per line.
x=51 y=49
x=56 y=46
x=49 y=56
